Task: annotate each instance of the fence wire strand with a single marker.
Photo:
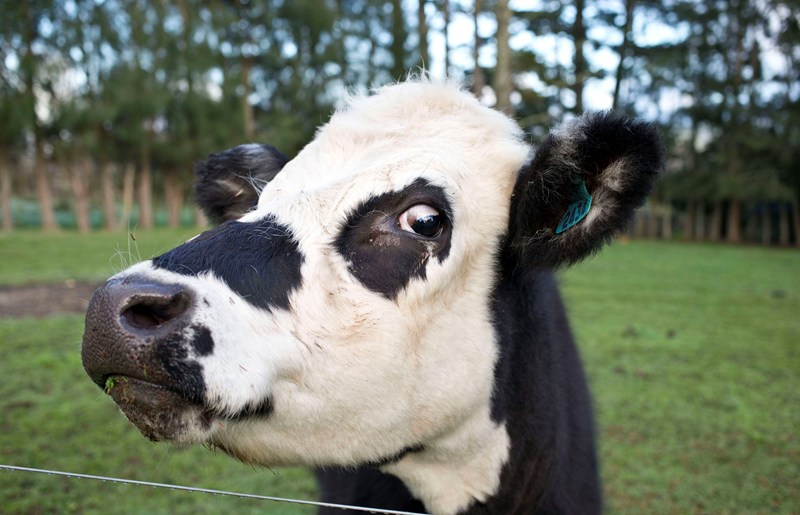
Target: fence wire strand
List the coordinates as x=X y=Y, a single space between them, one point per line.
x=206 y=490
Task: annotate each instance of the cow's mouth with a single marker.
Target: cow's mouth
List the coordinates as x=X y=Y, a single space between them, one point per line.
x=158 y=412
x=161 y=413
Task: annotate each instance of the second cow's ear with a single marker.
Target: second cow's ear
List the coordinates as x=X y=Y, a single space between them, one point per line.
x=581 y=187
x=228 y=183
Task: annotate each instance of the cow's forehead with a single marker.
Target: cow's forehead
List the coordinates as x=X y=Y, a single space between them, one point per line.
x=404 y=132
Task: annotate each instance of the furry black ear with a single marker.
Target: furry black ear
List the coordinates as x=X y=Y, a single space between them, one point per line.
x=582 y=187
x=228 y=183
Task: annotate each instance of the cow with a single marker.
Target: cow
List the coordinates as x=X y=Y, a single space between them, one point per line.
x=382 y=307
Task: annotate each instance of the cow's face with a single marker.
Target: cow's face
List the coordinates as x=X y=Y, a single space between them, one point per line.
x=345 y=319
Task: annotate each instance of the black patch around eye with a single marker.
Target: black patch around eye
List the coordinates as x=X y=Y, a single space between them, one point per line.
x=260 y=260
x=380 y=254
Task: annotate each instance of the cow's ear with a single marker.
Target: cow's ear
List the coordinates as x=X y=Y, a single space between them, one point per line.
x=581 y=187
x=227 y=184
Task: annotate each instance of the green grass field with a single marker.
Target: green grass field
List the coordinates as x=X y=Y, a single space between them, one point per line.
x=693 y=352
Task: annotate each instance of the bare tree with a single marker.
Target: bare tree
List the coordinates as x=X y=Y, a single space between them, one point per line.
x=579 y=37
x=623 y=51
x=422 y=29
x=446 y=32
x=502 y=74
x=478 y=80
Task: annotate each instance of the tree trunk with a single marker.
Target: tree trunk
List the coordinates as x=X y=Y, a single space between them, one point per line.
x=700 y=221
x=579 y=36
x=371 y=67
x=247 y=109
x=200 y=219
x=639 y=224
x=77 y=178
x=398 y=46
x=502 y=75
x=653 y=211
x=446 y=30
x=109 y=209
x=734 y=220
x=796 y=221
x=422 y=29
x=127 y=195
x=750 y=233
x=766 y=226
x=5 y=195
x=783 y=225
x=478 y=80
x=715 y=231
x=146 y=189
x=666 y=220
x=623 y=51
x=174 y=198
x=689 y=222
x=43 y=189
x=29 y=65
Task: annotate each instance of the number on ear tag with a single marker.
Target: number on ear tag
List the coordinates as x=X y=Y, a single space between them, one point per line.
x=577 y=210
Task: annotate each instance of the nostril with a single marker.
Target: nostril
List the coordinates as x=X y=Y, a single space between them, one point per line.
x=148 y=312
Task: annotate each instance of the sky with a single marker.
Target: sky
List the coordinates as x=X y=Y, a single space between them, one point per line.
x=598 y=93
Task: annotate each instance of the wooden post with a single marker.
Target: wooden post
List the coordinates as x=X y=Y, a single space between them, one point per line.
x=734 y=221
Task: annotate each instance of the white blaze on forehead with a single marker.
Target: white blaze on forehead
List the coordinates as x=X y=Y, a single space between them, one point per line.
x=411 y=128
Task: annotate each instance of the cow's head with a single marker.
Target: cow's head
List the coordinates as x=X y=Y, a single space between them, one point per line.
x=342 y=314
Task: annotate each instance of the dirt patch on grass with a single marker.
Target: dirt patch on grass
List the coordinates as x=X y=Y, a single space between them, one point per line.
x=43 y=300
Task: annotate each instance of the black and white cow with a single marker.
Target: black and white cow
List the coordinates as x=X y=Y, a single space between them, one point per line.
x=384 y=309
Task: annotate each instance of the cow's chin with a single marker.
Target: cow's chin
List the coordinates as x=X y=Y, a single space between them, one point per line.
x=160 y=414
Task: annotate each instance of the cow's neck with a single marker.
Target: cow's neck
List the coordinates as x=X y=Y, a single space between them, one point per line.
x=457 y=470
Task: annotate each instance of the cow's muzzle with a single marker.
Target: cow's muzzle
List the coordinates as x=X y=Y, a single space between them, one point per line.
x=135 y=348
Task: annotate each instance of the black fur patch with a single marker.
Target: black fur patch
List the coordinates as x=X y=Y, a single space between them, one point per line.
x=541 y=395
x=260 y=261
x=186 y=375
x=253 y=409
x=202 y=342
x=364 y=486
x=380 y=254
x=228 y=183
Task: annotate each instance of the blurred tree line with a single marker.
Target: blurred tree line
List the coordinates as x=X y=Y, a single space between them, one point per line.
x=105 y=104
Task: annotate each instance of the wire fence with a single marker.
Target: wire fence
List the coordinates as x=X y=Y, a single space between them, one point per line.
x=182 y=488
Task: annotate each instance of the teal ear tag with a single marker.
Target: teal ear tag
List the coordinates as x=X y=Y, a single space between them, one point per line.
x=577 y=210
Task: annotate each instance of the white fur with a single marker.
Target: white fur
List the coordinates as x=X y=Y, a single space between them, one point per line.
x=355 y=376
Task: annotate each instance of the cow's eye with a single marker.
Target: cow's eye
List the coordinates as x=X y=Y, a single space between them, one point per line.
x=421 y=219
